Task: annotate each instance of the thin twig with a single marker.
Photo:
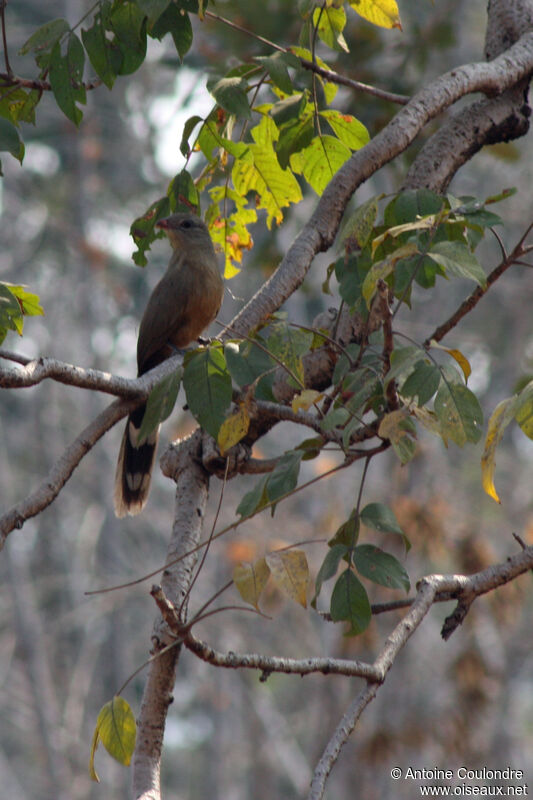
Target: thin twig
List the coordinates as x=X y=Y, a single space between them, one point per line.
x=4 y=36
x=43 y=85
x=473 y=299
x=269 y=664
x=233 y=525
x=358 y=86
x=206 y=549
x=328 y=74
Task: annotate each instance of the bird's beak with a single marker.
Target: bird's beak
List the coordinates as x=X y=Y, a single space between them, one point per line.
x=162 y=223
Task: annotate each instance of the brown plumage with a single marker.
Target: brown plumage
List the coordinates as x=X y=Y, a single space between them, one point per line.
x=184 y=302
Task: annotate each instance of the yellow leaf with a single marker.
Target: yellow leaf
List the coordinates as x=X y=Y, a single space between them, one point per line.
x=459 y=357
x=500 y=418
x=233 y=429
x=250 y=580
x=384 y=13
x=390 y=426
x=424 y=223
x=116 y=729
x=462 y=361
x=429 y=420
x=290 y=573
x=305 y=399
x=230 y=270
x=400 y=430
x=275 y=187
x=94 y=744
x=381 y=269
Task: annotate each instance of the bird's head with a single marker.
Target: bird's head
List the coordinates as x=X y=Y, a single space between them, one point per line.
x=185 y=230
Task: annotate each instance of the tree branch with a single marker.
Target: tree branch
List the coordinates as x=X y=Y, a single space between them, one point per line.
x=466 y=588
x=289 y=666
x=63 y=468
x=192 y=483
x=34 y=371
x=473 y=299
x=8 y=79
x=318 y=234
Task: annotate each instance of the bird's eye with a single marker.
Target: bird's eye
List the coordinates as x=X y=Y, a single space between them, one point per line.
x=187 y=223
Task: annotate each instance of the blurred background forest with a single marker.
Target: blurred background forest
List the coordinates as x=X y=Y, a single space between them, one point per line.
x=65 y=218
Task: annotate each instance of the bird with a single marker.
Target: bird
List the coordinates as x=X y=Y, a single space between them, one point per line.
x=184 y=302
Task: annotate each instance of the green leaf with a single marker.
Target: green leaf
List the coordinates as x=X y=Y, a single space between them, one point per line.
x=15 y=303
x=411 y=204
x=129 y=26
x=335 y=418
x=143 y=229
x=230 y=94
x=523 y=412
x=276 y=66
x=459 y=413
x=11 y=104
x=423 y=382
x=255 y=499
x=293 y=138
x=288 y=110
x=178 y=24
x=402 y=360
x=153 y=8
x=329 y=567
x=311 y=447
x=350 y=273
x=26 y=111
x=270 y=488
x=246 y=363
x=207 y=384
x=116 y=729
x=183 y=194
x=381 y=518
x=275 y=187
x=104 y=54
x=358 y=388
x=28 y=301
x=349 y=603
x=457 y=259
x=360 y=224
x=66 y=74
x=161 y=401
x=503 y=195
x=319 y=162
x=330 y=89
x=382 y=269
x=284 y=477
x=188 y=128
x=11 y=317
x=349 y=130
x=330 y=23
x=45 y=37
x=348 y=533
x=380 y=567
x=10 y=139
x=289 y=345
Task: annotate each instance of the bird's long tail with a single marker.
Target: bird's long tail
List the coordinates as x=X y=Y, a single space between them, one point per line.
x=134 y=467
